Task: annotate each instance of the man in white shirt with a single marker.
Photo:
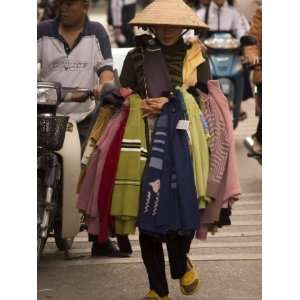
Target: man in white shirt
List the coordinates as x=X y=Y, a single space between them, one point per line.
x=76 y=52
x=220 y=16
x=223 y=17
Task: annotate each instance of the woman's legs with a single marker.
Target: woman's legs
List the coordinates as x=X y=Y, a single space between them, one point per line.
x=178 y=247
x=153 y=257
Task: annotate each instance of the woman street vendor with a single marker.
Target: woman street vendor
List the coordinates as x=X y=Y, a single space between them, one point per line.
x=159 y=64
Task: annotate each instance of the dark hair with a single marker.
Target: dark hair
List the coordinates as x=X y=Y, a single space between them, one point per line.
x=230 y=2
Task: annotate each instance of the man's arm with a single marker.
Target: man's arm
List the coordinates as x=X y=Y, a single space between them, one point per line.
x=105 y=77
x=103 y=59
x=238 y=28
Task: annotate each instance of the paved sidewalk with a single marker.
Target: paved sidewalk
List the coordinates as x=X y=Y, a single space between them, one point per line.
x=229 y=262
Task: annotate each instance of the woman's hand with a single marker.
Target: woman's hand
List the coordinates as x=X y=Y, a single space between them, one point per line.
x=153 y=106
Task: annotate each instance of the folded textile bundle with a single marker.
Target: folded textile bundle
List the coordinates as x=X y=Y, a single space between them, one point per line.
x=169 y=199
x=223 y=182
x=188 y=182
x=133 y=155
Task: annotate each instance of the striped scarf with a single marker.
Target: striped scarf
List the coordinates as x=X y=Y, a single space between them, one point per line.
x=199 y=146
x=126 y=193
x=168 y=198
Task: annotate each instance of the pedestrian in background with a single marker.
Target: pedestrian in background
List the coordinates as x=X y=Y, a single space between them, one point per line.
x=248 y=93
x=253 y=55
x=120 y=12
x=223 y=17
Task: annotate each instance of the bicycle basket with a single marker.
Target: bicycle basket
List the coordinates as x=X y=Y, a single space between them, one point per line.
x=51 y=131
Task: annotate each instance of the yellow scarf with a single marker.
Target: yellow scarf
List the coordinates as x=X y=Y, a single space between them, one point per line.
x=192 y=60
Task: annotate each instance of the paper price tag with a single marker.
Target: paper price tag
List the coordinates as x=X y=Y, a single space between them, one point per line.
x=183 y=125
x=87 y=153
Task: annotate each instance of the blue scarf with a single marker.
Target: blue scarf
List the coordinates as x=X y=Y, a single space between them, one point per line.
x=168 y=196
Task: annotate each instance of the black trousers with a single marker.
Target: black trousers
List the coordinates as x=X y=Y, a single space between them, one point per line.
x=178 y=247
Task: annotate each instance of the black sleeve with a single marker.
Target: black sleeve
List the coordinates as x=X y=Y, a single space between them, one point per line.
x=203 y=73
x=128 y=74
x=203 y=76
x=45 y=28
x=104 y=41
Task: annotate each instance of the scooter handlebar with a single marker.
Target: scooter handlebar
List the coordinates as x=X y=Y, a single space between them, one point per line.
x=75 y=94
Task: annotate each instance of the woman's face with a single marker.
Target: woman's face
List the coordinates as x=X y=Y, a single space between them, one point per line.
x=167 y=35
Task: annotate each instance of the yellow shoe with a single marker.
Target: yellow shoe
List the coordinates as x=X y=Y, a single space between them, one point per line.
x=189 y=282
x=152 y=295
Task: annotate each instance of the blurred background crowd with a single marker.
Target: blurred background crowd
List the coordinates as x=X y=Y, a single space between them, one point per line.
x=115 y=14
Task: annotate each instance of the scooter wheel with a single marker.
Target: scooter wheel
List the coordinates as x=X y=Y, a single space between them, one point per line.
x=61 y=244
x=41 y=242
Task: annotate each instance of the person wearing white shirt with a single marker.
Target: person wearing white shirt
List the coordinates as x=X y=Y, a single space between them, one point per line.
x=223 y=17
x=120 y=12
x=220 y=16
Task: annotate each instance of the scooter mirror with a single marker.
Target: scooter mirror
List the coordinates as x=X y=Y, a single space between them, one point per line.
x=47 y=94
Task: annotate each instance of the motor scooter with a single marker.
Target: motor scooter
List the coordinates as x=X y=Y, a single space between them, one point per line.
x=224 y=54
x=58 y=166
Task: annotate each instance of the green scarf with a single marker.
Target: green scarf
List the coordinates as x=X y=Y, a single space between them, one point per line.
x=199 y=147
x=126 y=193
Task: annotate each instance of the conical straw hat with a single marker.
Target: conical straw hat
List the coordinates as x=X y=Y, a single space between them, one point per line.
x=168 y=12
